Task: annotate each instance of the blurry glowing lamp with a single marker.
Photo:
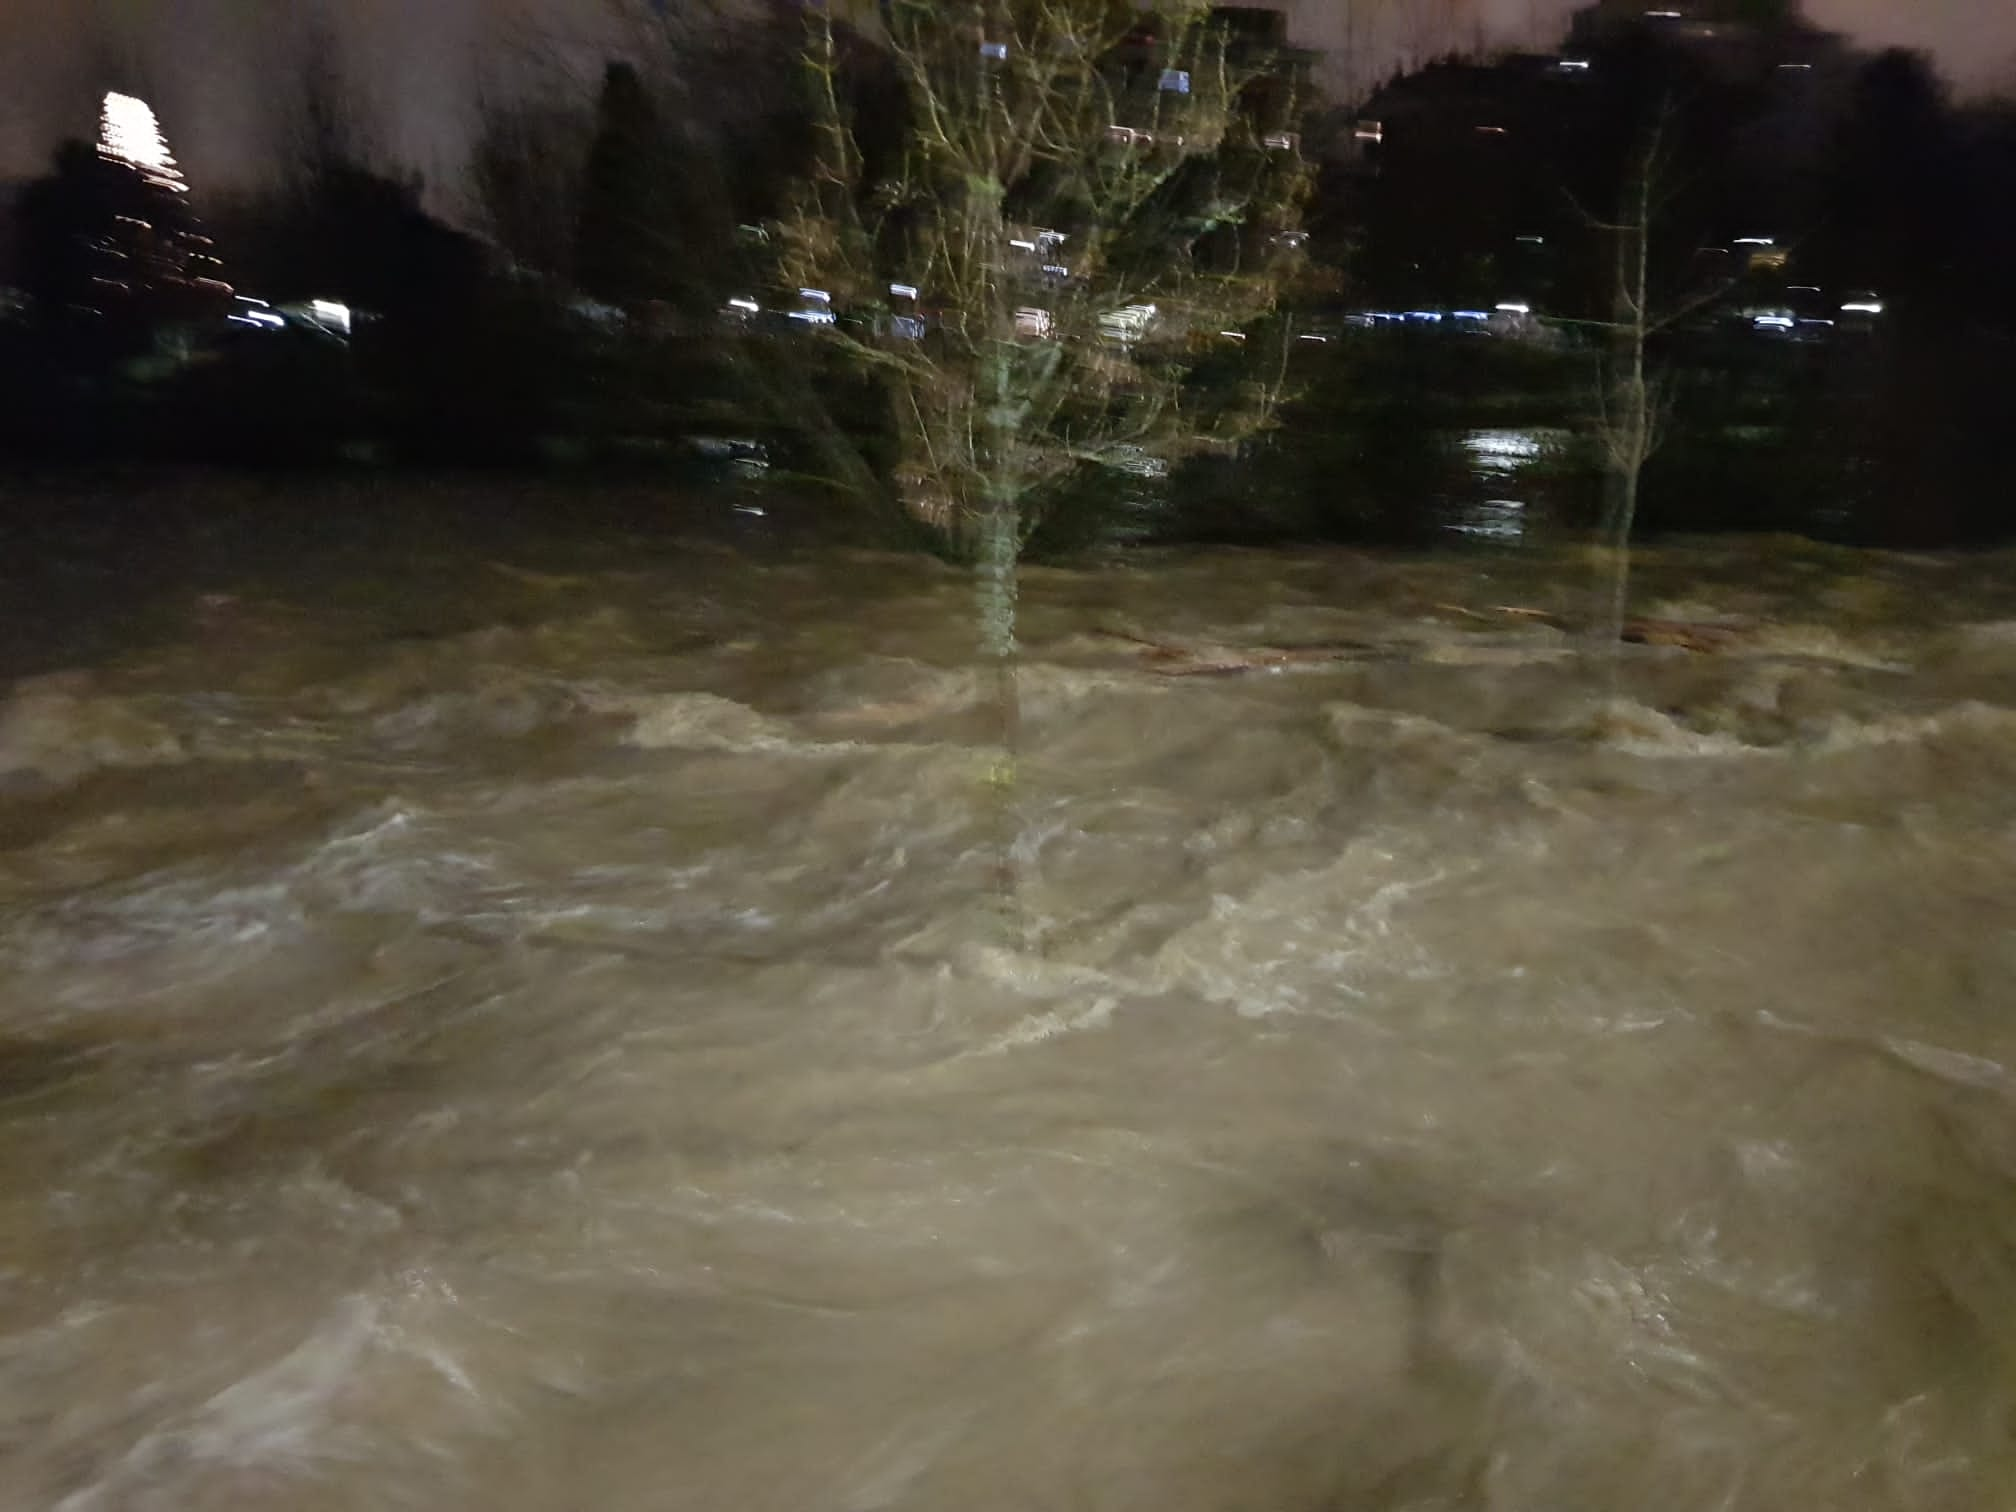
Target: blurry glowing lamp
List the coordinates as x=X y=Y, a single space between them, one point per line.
x=331 y=313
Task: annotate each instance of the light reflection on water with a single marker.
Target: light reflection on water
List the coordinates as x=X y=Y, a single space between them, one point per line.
x=1499 y=462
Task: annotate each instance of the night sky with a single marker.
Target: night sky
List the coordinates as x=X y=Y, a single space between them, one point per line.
x=217 y=69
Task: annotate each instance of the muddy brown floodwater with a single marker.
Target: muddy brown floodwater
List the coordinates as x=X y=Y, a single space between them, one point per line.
x=515 y=1031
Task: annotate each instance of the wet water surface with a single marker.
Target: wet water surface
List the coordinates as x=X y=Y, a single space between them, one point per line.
x=490 y=1027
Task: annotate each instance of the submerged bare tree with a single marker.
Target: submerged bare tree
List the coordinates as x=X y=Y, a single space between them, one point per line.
x=1634 y=398
x=1086 y=201
x=1628 y=430
x=1081 y=202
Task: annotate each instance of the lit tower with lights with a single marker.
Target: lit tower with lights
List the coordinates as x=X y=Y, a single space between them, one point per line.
x=158 y=264
x=129 y=134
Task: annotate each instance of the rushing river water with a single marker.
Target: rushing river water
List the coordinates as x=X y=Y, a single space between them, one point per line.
x=491 y=1025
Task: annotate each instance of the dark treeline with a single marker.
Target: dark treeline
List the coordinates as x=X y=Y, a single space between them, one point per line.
x=1843 y=379
x=1833 y=238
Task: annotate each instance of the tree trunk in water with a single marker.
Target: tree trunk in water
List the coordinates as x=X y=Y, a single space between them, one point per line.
x=1620 y=573
x=1631 y=430
x=994 y=592
x=994 y=588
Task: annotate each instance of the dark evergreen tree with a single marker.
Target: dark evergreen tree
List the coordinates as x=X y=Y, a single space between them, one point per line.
x=627 y=251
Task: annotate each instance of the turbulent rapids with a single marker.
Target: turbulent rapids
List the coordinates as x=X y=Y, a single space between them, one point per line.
x=485 y=1025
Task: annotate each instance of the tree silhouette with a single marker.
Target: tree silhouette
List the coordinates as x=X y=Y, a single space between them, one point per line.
x=628 y=245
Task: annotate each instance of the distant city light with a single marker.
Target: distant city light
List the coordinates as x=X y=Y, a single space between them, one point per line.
x=1128 y=323
x=903 y=291
x=1175 y=81
x=1755 y=241
x=331 y=313
x=1514 y=307
x=1030 y=321
x=1020 y=245
x=813 y=317
x=747 y=306
x=1863 y=307
x=819 y=294
x=1573 y=65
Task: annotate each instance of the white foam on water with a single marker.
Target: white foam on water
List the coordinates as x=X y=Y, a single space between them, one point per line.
x=1316 y=1092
